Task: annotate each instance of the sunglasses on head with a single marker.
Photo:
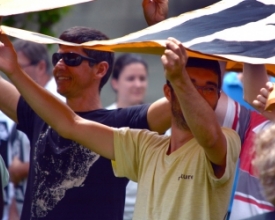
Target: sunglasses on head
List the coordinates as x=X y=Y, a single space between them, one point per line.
x=70 y=59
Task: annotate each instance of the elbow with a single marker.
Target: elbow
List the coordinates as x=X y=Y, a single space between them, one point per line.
x=209 y=143
x=63 y=132
x=211 y=140
x=66 y=130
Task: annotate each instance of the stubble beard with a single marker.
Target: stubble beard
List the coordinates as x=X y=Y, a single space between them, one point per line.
x=177 y=113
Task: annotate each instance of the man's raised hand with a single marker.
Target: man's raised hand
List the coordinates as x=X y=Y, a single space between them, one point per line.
x=8 y=57
x=155 y=10
x=174 y=60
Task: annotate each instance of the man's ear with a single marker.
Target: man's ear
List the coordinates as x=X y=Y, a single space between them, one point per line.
x=167 y=92
x=42 y=66
x=102 y=69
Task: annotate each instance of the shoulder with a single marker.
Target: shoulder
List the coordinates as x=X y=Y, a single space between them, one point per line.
x=140 y=135
x=232 y=138
x=229 y=132
x=137 y=132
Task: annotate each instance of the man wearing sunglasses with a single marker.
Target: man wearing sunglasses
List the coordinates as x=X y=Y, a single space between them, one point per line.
x=66 y=180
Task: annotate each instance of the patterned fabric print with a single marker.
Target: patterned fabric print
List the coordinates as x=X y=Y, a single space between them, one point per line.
x=68 y=165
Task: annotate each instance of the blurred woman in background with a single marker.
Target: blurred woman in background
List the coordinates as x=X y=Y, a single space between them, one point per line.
x=129 y=80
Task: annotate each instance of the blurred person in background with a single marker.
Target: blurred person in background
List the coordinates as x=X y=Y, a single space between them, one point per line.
x=264 y=165
x=34 y=60
x=7 y=194
x=129 y=80
x=4 y=180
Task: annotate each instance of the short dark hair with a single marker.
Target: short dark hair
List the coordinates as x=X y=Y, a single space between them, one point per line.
x=212 y=65
x=125 y=60
x=205 y=64
x=80 y=35
x=34 y=52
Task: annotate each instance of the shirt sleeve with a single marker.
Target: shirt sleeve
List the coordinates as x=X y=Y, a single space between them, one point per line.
x=130 y=145
x=133 y=117
x=232 y=155
x=4 y=173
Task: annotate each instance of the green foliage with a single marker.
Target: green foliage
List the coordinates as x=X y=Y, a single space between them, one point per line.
x=41 y=22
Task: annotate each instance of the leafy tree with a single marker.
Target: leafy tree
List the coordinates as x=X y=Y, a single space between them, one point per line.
x=41 y=22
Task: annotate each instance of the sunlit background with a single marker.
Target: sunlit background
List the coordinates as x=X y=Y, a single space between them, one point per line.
x=117 y=18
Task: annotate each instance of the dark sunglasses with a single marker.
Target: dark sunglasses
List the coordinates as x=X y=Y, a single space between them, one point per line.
x=70 y=59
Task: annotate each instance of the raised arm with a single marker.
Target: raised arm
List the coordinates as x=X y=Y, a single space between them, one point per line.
x=9 y=97
x=255 y=81
x=254 y=78
x=159 y=113
x=95 y=136
x=260 y=101
x=198 y=114
x=155 y=10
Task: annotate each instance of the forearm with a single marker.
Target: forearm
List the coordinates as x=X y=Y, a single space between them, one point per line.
x=38 y=98
x=9 y=99
x=254 y=78
x=198 y=114
x=95 y=136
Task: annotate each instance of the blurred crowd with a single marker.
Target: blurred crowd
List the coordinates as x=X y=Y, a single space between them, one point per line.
x=203 y=151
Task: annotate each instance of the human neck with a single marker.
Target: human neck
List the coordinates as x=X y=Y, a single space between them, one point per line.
x=82 y=104
x=179 y=137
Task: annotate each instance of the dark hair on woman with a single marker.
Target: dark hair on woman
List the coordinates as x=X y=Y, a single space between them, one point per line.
x=125 y=60
x=80 y=35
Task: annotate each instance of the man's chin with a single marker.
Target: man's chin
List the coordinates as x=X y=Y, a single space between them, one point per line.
x=61 y=92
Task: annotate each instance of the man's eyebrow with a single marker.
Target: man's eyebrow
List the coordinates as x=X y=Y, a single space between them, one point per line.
x=212 y=83
x=208 y=83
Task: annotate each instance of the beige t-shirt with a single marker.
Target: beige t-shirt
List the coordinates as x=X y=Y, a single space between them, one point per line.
x=181 y=185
